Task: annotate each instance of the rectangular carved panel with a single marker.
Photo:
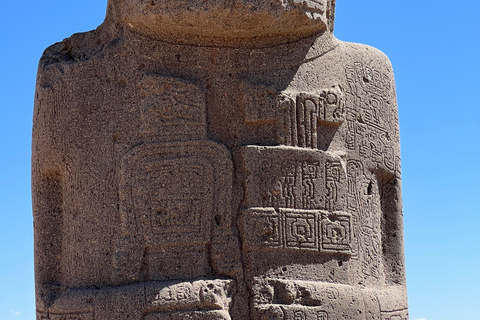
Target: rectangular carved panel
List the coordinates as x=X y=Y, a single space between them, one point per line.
x=171 y=109
x=170 y=194
x=298 y=116
x=286 y=177
x=291 y=229
x=336 y=232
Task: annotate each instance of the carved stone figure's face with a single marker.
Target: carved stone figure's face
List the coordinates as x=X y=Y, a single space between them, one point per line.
x=221 y=22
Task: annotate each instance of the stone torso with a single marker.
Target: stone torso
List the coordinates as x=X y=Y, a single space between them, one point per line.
x=190 y=182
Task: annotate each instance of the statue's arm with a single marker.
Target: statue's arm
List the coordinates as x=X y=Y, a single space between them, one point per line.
x=373 y=137
x=47 y=179
x=391 y=187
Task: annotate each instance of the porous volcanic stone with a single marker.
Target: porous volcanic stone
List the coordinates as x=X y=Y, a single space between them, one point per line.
x=213 y=160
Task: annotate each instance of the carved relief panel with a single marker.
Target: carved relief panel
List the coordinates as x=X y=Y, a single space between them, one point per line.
x=283 y=177
x=372 y=127
x=171 y=109
x=295 y=200
x=289 y=229
x=300 y=118
x=169 y=196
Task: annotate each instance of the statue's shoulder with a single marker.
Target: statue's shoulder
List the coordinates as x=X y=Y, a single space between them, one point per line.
x=68 y=51
x=59 y=59
x=370 y=72
x=77 y=48
x=366 y=55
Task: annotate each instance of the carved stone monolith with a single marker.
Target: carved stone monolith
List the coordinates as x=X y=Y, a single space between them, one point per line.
x=212 y=159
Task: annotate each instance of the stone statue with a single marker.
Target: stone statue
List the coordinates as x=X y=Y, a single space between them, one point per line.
x=208 y=159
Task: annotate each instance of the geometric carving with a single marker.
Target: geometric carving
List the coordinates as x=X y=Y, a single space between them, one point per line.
x=262 y=228
x=169 y=195
x=177 y=193
x=285 y=177
x=200 y=299
x=336 y=231
x=172 y=109
x=322 y=315
x=369 y=79
x=334 y=175
x=297 y=115
x=266 y=228
x=293 y=229
x=300 y=230
x=297 y=299
x=355 y=173
x=362 y=202
x=202 y=294
x=370 y=247
x=310 y=110
x=371 y=129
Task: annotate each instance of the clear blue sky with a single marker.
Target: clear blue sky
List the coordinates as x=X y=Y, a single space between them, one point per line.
x=435 y=50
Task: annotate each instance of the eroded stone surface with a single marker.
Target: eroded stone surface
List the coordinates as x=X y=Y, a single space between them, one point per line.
x=217 y=160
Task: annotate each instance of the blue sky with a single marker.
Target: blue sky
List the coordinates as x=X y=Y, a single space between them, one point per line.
x=434 y=47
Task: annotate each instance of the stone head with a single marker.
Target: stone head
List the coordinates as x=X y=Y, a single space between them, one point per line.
x=221 y=22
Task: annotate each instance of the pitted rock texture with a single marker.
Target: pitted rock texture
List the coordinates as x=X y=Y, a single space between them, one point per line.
x=217 y=160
